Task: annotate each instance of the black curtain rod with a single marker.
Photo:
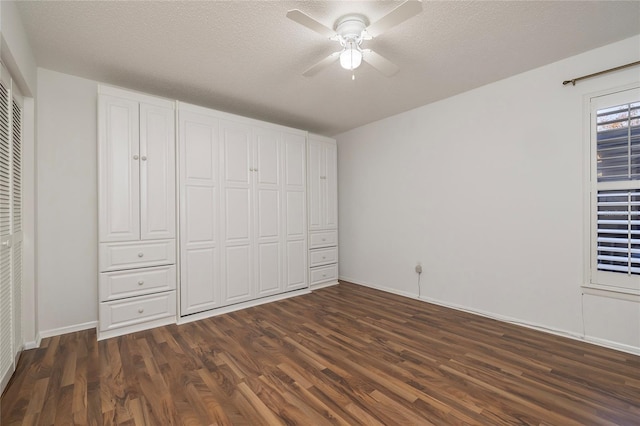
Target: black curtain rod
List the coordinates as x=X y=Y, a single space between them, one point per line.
x=573 y=81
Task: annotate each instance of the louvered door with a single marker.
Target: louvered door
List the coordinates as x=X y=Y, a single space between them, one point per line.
x=16 y=222
x=6 y=293
x=10 y=226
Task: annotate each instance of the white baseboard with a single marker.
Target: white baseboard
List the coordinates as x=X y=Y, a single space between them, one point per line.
x=380 y=287
x=33 y=344
x=539 y=327
x=613 y=345
x=64 y=330
x=323 y=285
x=239 y=306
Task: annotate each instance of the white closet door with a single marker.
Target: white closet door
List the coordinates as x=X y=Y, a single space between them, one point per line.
x=119 y=165
x=11 y=340
x=6 y=287
x=199 y=212
x=16 y=223
x=316 y=170
x=331 y=186
x=295 y=211
x=268 y=268
x=157 y=172
x=237 y=252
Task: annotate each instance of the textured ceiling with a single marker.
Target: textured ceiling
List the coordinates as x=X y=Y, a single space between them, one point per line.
x=247 y=58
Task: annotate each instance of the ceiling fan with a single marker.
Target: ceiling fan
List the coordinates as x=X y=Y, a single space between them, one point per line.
x=351 y=31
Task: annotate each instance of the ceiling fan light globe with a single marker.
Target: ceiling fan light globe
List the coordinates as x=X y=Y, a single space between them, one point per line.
x=350 y=59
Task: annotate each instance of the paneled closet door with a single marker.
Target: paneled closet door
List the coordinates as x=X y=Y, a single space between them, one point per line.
x=157 y=172
x=330 y=186
x=199 y=211
x=316 y=171
x=119 y=165
x=295 y=211
x=237 y=251
x=268 y=193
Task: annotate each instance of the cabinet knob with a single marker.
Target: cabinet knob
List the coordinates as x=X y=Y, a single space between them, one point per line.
x=135 y=157
x=324 y=239
x=323 y=257
x=143 y=158
x=140 y=254
x=140 y=282
x=140 y=310
x=324 y=275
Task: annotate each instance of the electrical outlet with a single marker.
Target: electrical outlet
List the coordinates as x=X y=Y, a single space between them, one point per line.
x=419 y=268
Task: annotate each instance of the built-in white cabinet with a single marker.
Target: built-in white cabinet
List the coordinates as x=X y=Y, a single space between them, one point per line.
x=323 y=183
x=323 y=211
x=242 y=209
x=137 y=222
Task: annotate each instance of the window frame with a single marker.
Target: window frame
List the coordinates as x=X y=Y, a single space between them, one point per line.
x=594 y=278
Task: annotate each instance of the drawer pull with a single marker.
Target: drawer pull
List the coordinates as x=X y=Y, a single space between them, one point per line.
x=140 y=282
x=324 y=275
x=324 y=257
x=140 y=310
x=140 y=254
x=324 y=239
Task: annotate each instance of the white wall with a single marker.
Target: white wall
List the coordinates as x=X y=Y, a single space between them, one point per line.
x=67 y=203
x=16 y=52
x=486 y=190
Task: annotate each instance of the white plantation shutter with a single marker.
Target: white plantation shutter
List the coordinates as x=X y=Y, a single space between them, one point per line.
x=6 y=296
x=615 y=122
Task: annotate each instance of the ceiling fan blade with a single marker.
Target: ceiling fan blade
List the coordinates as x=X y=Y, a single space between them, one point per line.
x=322 y=64
x=400 y=14
x=380 y=63
x=306 y=20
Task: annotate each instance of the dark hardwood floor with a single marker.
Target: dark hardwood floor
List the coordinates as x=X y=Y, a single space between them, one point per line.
x=342 y=355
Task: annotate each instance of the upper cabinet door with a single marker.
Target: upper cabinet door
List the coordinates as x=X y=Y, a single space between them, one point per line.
x=330 y=182
x=157 y=172
x=315 y=190
x=119 y=159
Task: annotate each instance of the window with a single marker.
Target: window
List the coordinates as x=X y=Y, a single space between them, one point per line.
x=615 y=190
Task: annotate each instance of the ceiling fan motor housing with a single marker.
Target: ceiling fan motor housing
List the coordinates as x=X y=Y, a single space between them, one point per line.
x=350 y=27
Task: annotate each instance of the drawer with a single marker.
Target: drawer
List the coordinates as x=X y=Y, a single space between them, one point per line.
x=323 y=239
x=136 y=282
x=137 y=310
x=323 y=256
x=137 y=254
x=323 y=273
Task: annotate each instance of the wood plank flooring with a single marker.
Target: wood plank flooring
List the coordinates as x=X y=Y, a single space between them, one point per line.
x=342 y=355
